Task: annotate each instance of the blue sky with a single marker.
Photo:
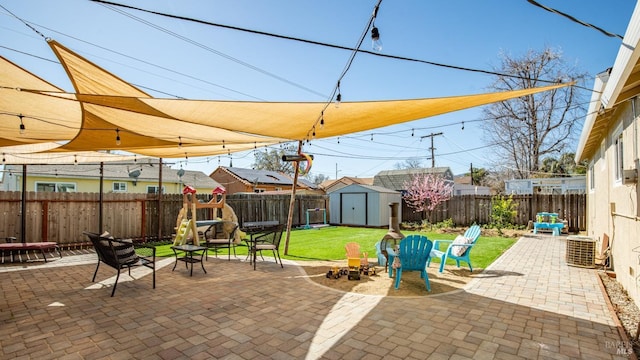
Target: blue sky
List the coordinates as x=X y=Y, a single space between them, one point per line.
x=203 y=62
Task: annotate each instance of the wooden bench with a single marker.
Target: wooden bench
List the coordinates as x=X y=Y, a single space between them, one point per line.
x=13 y=247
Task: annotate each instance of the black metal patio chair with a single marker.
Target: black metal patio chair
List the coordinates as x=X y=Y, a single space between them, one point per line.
x=121 y=254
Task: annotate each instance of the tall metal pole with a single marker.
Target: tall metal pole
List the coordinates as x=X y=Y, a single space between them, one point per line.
x=23 y=220
x=101 y=205
x=160 y=200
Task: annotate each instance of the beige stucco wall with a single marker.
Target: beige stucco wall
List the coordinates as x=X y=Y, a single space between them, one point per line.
x=619 y=221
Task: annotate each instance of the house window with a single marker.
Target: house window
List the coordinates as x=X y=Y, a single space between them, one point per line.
x=257 y=190
x=151 y=189
x=55 y=187
x=119 y=187
x=592 y=176
x=619 y=159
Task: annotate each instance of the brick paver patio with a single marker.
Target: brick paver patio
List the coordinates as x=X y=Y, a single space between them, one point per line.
x=527 y=305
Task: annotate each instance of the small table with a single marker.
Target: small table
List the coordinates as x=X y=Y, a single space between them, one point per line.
x=188 y=256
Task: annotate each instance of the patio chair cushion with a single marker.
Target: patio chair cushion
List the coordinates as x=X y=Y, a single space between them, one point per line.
x=460 y=240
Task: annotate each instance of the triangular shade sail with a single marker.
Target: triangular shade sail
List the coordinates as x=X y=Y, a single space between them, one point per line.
x=106 y=107
x=46 y=119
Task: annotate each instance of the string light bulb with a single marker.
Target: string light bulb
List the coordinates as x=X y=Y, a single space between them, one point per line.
x=376 y=43
x=22 y=128
x=180 y=142
x=118 y=137
x=338 y=96
x=463 y=125
x=322 y=120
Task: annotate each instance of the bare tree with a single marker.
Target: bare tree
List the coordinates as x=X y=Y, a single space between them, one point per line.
x=271 y=159
x=533 y=127
x=412 y=163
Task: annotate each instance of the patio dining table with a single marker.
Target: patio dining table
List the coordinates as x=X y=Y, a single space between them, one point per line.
x=253 y=229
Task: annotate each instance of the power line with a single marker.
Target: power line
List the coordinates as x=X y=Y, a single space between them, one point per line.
x=319 y=43
x=552 y=10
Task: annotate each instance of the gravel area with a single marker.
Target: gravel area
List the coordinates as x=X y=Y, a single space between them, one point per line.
x=626 y=310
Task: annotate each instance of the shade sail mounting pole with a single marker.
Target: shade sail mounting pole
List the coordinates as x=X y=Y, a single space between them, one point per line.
x=160 y=200
x=292 y=202
x=23 y=204
x=101 y=205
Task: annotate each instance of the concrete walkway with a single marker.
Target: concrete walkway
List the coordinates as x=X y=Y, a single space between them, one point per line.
x=527 y=305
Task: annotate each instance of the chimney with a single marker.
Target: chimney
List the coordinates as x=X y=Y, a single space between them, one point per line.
x=394 y=224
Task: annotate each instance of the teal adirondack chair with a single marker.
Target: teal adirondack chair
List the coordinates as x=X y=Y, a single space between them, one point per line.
x=472 y=233
x=413 y=253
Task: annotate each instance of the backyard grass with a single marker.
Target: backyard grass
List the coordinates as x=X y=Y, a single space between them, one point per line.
x=327 y=243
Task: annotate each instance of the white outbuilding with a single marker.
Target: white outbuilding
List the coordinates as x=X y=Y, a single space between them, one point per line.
x=362 y=205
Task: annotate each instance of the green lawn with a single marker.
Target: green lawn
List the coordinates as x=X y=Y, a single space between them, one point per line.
x=327 y=243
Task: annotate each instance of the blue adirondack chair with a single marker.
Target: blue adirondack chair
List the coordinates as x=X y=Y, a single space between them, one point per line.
x=413 y=253
x=472 y=233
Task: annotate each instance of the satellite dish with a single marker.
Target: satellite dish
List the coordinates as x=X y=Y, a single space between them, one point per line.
x=134 y=175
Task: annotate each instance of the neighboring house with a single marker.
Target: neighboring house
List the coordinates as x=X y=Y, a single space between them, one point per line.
x=333 y=185
x=467 y=189
x=462 y=186
x=610 y=142
x=546 y=186
x=239 y=180
x=395 y=179
x=141 y=177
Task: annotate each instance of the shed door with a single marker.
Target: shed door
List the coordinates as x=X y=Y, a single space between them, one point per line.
x=354 y=209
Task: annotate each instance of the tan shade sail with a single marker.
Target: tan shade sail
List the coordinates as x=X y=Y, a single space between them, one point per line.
x=106 y=108
x=44 y=153
x=45 y=119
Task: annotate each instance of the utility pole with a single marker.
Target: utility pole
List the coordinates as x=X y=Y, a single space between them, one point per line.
x=433 y=158
x=471 y=173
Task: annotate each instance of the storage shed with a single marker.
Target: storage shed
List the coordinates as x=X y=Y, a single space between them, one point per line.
x=362 y=205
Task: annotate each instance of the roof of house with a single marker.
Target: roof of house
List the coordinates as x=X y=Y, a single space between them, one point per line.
x=332 y=185
x=253 y=176
x=395 y=179
x=118 y=171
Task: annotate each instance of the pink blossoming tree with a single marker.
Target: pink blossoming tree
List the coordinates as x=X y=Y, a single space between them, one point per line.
x=424 y=192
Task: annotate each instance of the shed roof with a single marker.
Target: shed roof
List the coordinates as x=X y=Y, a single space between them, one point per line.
x=359 y=187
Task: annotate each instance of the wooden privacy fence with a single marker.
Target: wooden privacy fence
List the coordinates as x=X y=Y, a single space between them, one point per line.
x=62 y=217
x=468 y=209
